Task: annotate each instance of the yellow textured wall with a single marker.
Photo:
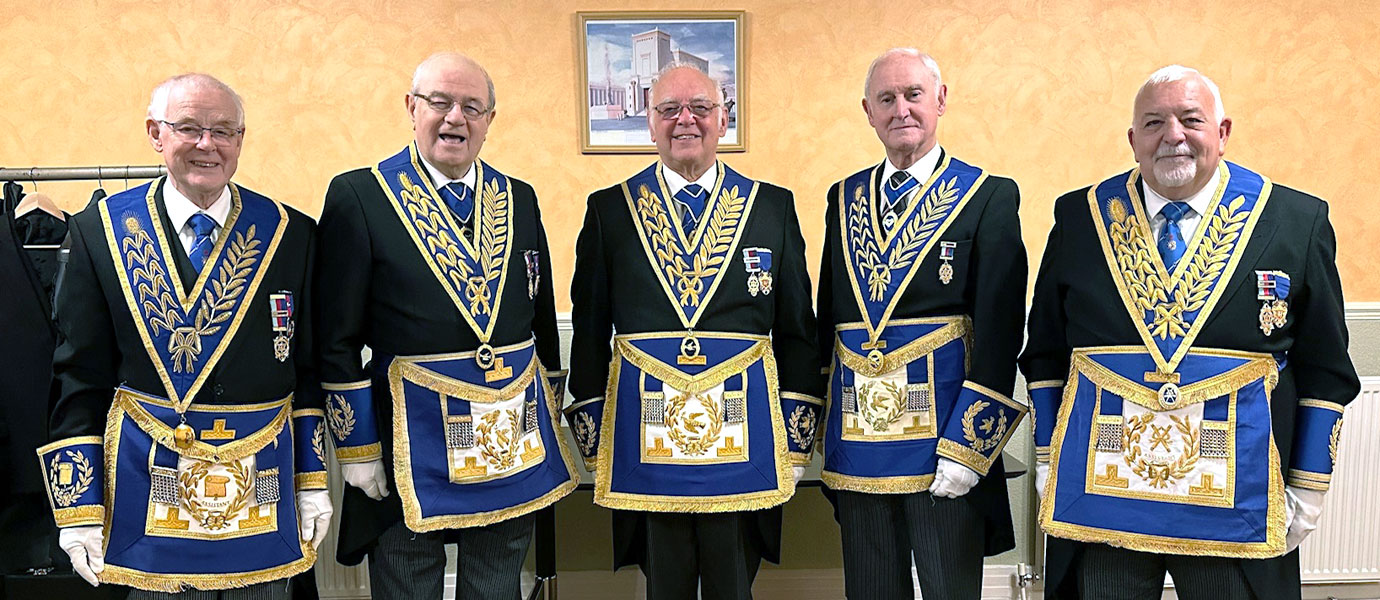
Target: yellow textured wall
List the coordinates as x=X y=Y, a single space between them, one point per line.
x=1040 y=91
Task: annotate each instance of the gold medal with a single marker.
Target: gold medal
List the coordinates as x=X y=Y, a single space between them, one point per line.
x=1267 y=319
x=752 y=285
x=765 y=283
x=183 y=436
x=946 y=273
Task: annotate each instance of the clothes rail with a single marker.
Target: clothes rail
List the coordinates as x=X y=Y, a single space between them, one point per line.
x=81 y=173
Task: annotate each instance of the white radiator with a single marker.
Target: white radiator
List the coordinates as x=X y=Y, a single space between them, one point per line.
x=1346 y=546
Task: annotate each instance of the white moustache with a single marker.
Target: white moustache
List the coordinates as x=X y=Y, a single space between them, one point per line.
x=1180 y=149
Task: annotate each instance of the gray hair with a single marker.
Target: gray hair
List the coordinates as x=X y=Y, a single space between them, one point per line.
x=1174 y=73
x=455 y=57
x=928 y=60
x=158 y=101
x=676 y=65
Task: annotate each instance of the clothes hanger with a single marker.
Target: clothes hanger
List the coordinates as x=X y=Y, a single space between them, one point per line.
x=39 y=201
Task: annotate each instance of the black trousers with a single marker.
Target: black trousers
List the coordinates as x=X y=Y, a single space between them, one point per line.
x=882 y=532
x=712 y=553
x=1109 y=573
x=410 y=565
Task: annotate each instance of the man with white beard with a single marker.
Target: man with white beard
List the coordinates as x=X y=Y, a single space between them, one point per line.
x=1196 y=437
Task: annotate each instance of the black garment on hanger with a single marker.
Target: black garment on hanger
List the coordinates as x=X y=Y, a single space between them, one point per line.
x=27 y=355
x=40 y=233
x=96 y=196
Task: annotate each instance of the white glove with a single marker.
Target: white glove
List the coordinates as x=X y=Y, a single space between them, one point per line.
x=314 y=515
x=1303 y=507
x=797 y=473
x=952 y=479
x=369 y=477
x=1041 y=476
x=84 y=545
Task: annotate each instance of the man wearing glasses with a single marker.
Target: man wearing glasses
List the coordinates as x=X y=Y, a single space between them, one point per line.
x=186 y=368
x=438 y=263
x=713 y=391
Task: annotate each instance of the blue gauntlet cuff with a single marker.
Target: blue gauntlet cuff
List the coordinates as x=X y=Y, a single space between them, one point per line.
x=1317 y=431
x=74 y=469
x=979 y=427
x=350 y=414
x=802 y=415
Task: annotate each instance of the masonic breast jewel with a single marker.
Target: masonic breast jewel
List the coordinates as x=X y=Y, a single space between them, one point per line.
x=757 y=263
x=533 y=260
x=281 y=310
x=1272 y=287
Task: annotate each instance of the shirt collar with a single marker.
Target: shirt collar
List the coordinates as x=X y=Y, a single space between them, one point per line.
x=921 y=170
x=1199 y=201
x=442 y=181
x=180 y=208
x=674 y=181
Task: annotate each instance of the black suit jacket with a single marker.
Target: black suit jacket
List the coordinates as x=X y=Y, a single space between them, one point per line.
x=1076 y=304
x=100 y=348
x=988 y=285
x=616 y=288
x=378 y=291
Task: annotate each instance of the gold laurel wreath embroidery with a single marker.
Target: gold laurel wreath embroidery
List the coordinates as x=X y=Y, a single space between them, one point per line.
x=994 y=428
x=938 y=201
x=1334 y=439
x=713 y=249
x=155 y=293
x=881 y=409
x=449 y=257
x=1160 y=474
x=686 y=431
x=67 y=495
x=318 y=442
x=1149 y=292
x=499 y=447
x=161 y=309
x=213 y=520
x=340 y=415
x=802 y=430
x=584 y=432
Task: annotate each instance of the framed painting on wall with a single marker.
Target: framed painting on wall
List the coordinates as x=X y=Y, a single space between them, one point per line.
x=621 y=55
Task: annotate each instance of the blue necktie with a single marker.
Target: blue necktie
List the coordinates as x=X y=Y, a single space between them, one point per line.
x=691 y=199
x=900 y=184
x=458 y=198
x=202 y=226
x=1171 y=243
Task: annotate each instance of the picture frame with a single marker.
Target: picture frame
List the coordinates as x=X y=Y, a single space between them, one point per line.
x=621 y=55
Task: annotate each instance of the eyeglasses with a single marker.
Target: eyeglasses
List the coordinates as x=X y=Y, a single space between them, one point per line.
x=671 y=110
x=444 y=105
x=191 y=132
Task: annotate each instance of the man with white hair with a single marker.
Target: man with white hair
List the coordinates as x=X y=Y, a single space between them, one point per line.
x=437 y=262
x=189 y=448
x=1188 y=387
x=698 y=418
x=921 y=300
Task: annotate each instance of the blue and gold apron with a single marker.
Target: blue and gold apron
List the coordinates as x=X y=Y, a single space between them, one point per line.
x=471 y=449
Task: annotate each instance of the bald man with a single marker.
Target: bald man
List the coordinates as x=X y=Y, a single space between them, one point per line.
x=935 y=318
x=712 y=383
x=1188 y=366
x=437 y=262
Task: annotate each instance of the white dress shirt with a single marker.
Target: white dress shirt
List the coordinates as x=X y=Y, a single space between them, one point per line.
x=675 y=183
x=1188 y=224
x=921 y=171
x=181 y=209
x=470 y=178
